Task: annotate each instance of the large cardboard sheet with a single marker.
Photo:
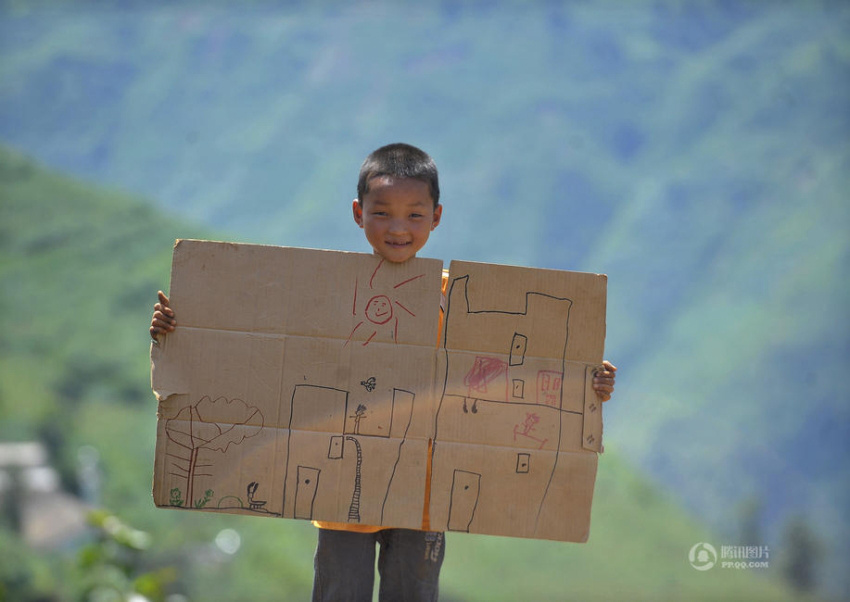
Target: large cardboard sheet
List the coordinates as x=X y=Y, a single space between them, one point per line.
x=311 y=384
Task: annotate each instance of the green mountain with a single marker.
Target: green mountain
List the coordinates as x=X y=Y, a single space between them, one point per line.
x=79 y=267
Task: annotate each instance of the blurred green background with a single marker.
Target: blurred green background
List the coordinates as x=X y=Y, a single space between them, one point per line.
x=698 y=152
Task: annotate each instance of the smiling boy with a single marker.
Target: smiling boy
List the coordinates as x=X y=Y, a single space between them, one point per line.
x=398 y=207
x=397 y=215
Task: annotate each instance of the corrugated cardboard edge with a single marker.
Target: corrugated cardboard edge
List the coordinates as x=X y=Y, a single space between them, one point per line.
x=161 y=389
x=593 y=424
x=591 y=437
x=161 y=392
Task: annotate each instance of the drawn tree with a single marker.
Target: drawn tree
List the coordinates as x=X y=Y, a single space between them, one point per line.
x=211 y=425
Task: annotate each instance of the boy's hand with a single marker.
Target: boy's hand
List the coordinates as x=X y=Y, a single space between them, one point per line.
x=163 y=317
x=603 y=380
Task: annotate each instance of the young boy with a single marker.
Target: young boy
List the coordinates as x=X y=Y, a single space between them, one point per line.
x=397 y=206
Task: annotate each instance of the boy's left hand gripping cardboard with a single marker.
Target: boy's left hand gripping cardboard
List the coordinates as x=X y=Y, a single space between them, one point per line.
x=306 y=384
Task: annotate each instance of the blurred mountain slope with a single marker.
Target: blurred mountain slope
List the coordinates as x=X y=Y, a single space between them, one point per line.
x=79 y=266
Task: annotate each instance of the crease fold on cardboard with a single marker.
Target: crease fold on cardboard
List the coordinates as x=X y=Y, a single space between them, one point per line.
x=306 y=384
x=165 y=381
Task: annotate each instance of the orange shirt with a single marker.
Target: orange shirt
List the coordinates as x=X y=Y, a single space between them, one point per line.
x=426 y=524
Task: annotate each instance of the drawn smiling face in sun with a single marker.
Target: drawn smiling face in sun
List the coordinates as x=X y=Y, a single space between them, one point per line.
x=381 y=310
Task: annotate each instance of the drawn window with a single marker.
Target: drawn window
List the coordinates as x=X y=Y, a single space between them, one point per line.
x=518 y=349
x=522 y=461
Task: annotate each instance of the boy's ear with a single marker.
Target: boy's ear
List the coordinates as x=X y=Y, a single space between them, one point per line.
x=357 y=209
x=438 y=213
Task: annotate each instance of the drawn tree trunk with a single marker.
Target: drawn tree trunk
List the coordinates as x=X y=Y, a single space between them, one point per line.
x=194 y=430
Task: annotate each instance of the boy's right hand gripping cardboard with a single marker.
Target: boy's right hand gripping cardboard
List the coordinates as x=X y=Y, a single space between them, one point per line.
x=518 y=425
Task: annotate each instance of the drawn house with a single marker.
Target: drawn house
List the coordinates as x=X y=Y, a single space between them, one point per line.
x=505 y=391
x=332 y=439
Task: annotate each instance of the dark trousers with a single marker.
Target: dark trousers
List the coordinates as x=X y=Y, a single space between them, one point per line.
x=409 y=565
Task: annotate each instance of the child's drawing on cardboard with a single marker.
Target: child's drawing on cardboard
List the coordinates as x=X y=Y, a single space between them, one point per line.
x=380 y=311
x=206 y=426
x=307 y=384
x=309 y=420
x=512 y=406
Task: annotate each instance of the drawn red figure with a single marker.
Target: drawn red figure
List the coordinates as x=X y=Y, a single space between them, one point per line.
x=380 y=309
x=484 y=371
x=527 y=427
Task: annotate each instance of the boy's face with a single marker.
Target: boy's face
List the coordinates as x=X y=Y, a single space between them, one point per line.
x=397 y=216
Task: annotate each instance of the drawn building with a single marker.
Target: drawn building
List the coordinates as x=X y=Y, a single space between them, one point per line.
x=352 y=469
x=506 y=392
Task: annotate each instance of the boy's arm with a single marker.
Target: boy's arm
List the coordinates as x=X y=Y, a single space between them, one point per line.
x=603 y=380
x=163 y=318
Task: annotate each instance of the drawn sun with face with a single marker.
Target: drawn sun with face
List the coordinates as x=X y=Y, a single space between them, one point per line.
x=381 y=311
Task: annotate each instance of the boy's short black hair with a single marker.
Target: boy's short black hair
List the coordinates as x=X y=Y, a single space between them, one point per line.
x=399 y=160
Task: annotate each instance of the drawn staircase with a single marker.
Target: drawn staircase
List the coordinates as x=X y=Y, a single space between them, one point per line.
x=354 y=508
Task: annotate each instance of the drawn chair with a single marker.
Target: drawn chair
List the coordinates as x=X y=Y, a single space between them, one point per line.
x=252 y=503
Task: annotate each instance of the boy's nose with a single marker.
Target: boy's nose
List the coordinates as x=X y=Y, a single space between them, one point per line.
x=396 y=226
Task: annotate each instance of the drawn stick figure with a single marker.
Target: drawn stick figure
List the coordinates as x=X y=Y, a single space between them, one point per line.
x=359 y=414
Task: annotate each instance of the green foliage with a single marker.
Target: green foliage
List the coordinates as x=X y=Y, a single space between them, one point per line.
x=111 y=566
x=25 y=575
x=176 y=498
x=201 y=502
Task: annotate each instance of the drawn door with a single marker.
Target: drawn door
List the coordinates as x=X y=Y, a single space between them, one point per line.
x=305 y=491
x=464 y=499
